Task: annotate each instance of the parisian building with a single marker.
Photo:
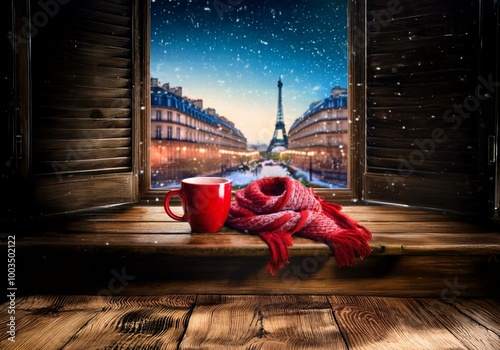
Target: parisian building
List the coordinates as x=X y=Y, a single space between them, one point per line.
x=187 y=140
x=319 y=139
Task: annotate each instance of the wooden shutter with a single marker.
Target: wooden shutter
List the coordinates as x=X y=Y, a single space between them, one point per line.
x=493 y=30
x=83 y=103
x=427 y=95
x=6 y=93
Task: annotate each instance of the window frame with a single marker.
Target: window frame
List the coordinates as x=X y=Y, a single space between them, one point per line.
x=355 y=88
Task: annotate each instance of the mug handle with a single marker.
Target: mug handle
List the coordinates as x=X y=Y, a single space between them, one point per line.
x=166 y=205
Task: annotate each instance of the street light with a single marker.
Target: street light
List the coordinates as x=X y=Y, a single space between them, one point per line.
x=310 y=154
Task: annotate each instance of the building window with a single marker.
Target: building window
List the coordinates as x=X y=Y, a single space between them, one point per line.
x=264 y=100
x=158 y=114
x=158 y=133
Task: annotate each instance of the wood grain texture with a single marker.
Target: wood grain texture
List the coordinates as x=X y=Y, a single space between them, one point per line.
x=230 y=321
x=100 y=189
x=83 y=322
x=137 y=323
x=471 y=332
x=389 y=323
x=262 y=322
x=484 y=311
x=48 y=322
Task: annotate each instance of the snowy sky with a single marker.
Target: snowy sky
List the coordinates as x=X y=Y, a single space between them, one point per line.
x=232 y=56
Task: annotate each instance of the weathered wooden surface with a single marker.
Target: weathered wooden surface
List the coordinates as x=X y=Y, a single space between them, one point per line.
x=474 y=322
x=376 y=323
x=414 y=252
x=257 y=322
x=252 y=322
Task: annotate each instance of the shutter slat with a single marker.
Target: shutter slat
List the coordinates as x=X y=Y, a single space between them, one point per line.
x=401 y=144
x=431 y=154
x=84 y=92
x=70 y=144
x=88 y=135
x=64 y=113
x=430 y=167
x=393 y=188
x=92 y=153
x=94 y=102
x=108 y=165
x=92 y=70
x=70 y=122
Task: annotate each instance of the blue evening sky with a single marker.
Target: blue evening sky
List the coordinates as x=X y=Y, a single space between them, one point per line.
x=232 y=56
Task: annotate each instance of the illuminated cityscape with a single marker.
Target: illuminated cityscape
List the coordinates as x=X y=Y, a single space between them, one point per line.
x=215 y=113
x=318 y=140
x=187 y=140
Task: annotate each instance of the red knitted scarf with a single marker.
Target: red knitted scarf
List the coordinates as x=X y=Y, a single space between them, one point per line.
x=275 y=208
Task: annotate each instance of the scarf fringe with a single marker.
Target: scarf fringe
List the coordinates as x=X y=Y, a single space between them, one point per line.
x=347 y=244
x=278 y=242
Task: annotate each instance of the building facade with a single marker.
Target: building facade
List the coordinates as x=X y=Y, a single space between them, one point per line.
x=319 y=139
x=187 y=140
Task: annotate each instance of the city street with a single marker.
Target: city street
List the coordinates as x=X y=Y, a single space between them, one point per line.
x=267 y=168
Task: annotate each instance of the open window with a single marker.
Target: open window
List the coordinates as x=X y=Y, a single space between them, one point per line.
x=422 y=96
x=249 y=89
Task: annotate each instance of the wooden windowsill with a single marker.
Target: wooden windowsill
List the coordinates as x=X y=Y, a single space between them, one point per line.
x=396 y=231
x=414 y=253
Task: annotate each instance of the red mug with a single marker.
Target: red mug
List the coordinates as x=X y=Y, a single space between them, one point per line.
x=205 y=200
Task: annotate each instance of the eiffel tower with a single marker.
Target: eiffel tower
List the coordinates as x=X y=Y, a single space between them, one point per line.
x=280 y=125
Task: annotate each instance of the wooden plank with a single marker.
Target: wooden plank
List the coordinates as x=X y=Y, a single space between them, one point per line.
x=179 y=241
x=83 y=165
x=73 y=193
x=76 y=144
x=389 y=323
x=95 y=322
x=89 y=135
x=453 y=196
x=262 y=322
x=223 y=321
x=69 y=122
x=65 y=155
x=485 y=311
x=146 y=226
x=93 y=243
x=136 y=323
x=469 y=331
x=364 y=214
x=46 y=322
